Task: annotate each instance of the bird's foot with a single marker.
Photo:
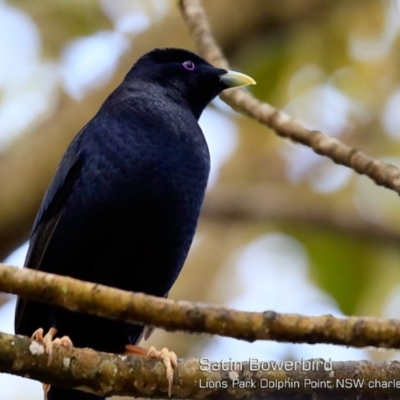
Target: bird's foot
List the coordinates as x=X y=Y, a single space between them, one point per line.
x=136 y=350
x=169 y=358
x=170 y=361
x=48 y=342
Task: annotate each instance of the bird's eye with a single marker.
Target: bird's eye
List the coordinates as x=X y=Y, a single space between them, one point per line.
x=189 y=65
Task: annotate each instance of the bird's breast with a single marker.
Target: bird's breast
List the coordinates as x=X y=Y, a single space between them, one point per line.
x=136 y=206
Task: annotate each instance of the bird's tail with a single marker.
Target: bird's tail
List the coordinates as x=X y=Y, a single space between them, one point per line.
x=58 y=393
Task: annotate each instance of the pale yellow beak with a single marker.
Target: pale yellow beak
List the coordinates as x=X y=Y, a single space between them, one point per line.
x=235 y=79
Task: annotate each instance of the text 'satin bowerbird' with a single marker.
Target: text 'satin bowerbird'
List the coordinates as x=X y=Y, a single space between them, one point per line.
x=123 y=205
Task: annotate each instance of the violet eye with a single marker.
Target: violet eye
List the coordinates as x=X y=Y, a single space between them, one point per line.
x=189 y=65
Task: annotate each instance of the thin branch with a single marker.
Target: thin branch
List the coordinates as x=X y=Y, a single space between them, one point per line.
x=382 y=174
x=174 y=315
x=107 y=374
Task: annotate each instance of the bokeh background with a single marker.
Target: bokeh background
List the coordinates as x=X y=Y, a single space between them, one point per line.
x=282 y=228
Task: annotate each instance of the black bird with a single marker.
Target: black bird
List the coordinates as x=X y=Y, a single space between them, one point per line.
x=123 y=205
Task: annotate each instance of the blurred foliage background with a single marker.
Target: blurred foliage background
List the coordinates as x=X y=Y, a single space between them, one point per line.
x=282 y=228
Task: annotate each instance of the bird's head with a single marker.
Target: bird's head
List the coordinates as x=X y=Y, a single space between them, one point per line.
x=184 y=76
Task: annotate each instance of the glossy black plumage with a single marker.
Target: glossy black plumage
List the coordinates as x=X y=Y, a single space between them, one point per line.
x=123 y=206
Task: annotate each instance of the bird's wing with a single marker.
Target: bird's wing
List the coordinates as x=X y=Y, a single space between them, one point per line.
x=52 y=209
x=49 y=214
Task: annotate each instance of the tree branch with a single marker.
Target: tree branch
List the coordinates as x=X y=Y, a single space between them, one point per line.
x=173 y=315
x=107 y=374
x=382 y=174
x=236 y=202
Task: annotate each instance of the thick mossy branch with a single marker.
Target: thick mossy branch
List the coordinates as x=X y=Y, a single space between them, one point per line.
x=108 y=374
x=173 y=315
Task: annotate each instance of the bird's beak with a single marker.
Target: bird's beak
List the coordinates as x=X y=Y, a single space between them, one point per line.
x=235 y=79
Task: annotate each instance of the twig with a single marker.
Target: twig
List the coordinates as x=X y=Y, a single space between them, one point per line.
x=382 y=174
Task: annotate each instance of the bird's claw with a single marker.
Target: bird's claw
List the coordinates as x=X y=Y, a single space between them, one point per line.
x=170 y=361
x=48 y=341
x=46 y=389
